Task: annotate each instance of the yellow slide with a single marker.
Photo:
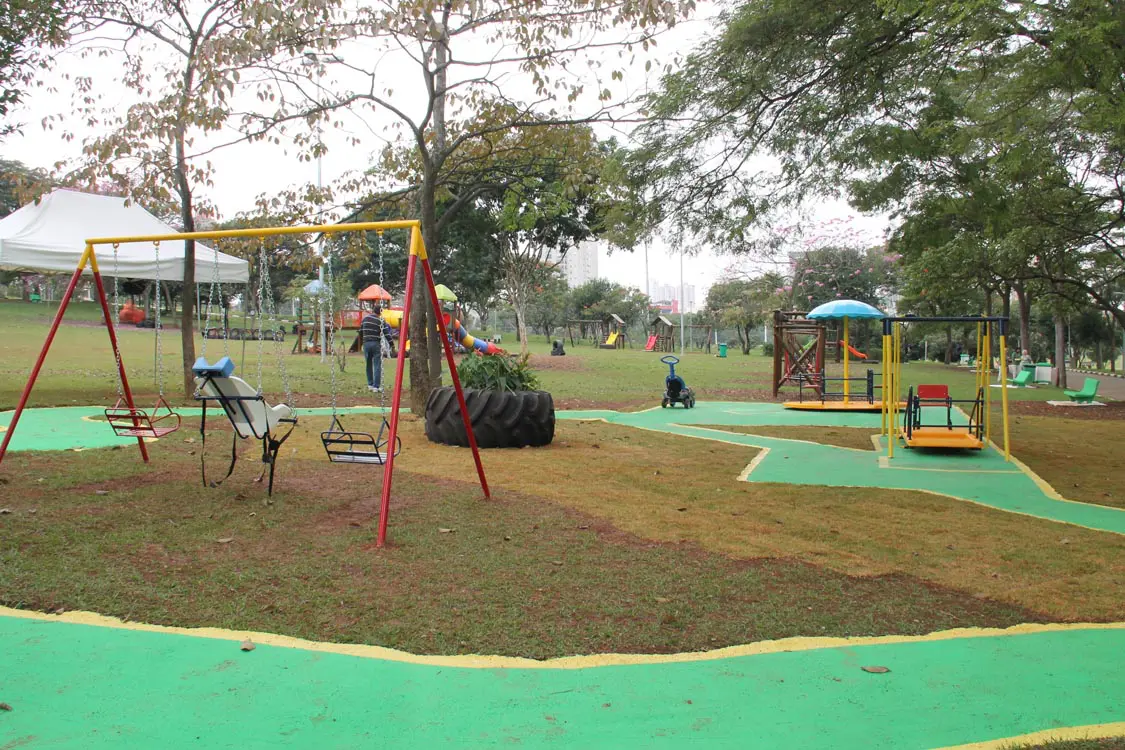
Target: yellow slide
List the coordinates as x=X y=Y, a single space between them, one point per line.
x=612 y=340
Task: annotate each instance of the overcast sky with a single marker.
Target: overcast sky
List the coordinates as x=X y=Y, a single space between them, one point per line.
x=244 y=172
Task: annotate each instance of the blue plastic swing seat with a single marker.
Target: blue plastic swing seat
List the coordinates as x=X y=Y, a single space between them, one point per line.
x=224 y=368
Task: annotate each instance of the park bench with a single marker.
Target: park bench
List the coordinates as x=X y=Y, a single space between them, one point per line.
x=1087 y=394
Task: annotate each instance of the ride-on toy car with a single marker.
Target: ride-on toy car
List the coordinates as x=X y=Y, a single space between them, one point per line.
x=675 y=389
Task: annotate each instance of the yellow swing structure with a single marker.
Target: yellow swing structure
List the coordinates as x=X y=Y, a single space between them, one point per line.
x=418 y=256
x=920 y=428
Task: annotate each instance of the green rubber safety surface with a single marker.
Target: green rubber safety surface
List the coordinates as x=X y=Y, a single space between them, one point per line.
x=83 y=686
x=982 y=476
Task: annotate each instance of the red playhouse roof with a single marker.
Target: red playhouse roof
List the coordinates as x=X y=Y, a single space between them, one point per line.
x=374 y=292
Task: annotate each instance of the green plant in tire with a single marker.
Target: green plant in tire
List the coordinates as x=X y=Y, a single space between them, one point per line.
x=506 y=407
x=497 y=373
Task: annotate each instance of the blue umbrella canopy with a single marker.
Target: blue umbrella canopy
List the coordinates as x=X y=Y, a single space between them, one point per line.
x=845 y=308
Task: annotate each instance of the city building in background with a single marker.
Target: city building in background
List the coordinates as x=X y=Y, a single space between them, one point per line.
x=580 y=264
x=666 y=297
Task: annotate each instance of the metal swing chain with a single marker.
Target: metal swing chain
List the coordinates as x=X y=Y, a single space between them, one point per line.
x=270 y=308
x=116 y=312
x=159 y=342
x=211 y=308
x=382 y=338
x=331 y=328
x=263 y=281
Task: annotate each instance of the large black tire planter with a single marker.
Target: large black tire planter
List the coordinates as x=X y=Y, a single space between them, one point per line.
x=500 y=419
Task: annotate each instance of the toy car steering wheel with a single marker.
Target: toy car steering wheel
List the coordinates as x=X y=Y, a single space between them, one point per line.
x=670 y=360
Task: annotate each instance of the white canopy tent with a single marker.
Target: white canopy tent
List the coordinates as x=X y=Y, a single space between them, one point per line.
x=50 y=236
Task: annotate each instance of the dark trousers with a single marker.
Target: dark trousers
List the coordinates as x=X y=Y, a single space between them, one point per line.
x=373 y=354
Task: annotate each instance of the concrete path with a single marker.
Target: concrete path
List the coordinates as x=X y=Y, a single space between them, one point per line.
x=1109 y=388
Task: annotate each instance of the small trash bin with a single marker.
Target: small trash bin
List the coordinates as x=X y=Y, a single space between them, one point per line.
x=722 y=350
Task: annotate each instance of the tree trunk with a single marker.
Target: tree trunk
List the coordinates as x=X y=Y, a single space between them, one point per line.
x=434 y=348
x=1060 y=351
x=187 y=218
x=1024 y=301
x=1112 y=347
x=1098 y=355
x=949 y=344
x=422 y=379
x=521 y=322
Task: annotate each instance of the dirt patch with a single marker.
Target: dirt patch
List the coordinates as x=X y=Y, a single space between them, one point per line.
x=1112 y=410
x=564 y=364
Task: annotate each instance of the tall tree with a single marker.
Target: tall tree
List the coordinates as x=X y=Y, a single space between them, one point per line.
x=483 y=71
x=185 y=63
x=28 y=30
x=993 y=104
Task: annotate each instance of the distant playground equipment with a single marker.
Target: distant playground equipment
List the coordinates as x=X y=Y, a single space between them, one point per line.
x=660 y=335
x=455 y=333
x=928 y=399
x=802 y=362
x=130 y=313
x=586 y=331
x=616 y=333
x=664 y=336
x=676 y=390
x=798 y=352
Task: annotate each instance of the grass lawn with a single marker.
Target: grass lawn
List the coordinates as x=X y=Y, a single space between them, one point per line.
x=672 y=500
x=80 y=368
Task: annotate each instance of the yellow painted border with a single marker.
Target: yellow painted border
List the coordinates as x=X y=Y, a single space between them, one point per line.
x=800 y=643
x=1087 y=732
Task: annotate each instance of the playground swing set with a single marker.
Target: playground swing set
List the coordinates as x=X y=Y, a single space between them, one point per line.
x=123 y=417
x=246 y=407
x=340 y=444
x=918 y=429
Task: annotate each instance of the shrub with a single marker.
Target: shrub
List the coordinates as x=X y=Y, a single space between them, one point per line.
x=767 y=349
x=497 y=373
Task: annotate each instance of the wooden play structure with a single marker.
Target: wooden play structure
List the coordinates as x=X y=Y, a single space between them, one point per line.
x=836 y=393
x=798 y=351
x=661 y=335
x=664 y=336
x=581 y=331
x=616 y=333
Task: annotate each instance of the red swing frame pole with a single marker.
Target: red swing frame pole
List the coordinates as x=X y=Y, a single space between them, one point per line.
x=454 y=376
x=418 y=249
x=87 y=257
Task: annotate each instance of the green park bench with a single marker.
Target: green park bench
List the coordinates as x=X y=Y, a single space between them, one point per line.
x=1087 y=394
x=1023 y=379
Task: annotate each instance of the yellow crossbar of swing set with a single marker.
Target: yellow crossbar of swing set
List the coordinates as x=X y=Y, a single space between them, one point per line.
x=417 y=247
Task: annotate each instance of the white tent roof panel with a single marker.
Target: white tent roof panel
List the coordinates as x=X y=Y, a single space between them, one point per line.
x=50 y=236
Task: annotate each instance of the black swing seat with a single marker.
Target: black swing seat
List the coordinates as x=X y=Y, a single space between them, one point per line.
x=129 y=421
x=344 y=447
